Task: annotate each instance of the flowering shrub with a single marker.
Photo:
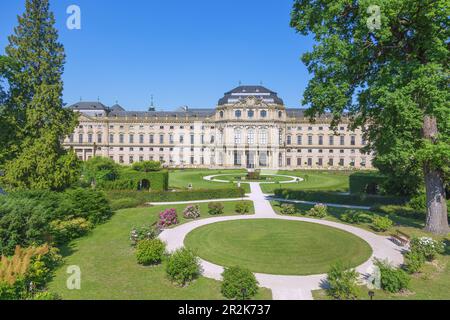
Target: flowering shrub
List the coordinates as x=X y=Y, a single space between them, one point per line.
x=381 y=224
x=319 y=211
x=427 y=247
x=288 y=209
x=142 y=233
x=168 y=218
x=215 y=208
x=192 y=212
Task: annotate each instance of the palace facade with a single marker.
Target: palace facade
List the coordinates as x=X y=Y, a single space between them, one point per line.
x=249 y=128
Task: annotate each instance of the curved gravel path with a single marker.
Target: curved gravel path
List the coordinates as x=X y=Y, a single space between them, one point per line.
x=285 y=287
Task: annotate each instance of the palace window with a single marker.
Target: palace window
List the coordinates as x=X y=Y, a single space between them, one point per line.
x=310 y=140
x=99 y=138
x=131 y=138
x=320 y=162
x=320 y=140
x=237 y=136
x=263 y=114
x=80 y=138
x=221 y=114
x=71 y=138
x=289 y=140
x=141 y=139
x=238 y=113
x=299 y=162
x=299 y=140
x=90 y=138
x=181 y=139
x=251 y=113
x=192 y=139
x=171 y=140
x=161 y=139
x=111 y=138
x=331 y=141
x=152 y=139
x=353 y=140
x=263 y=137
x=251 y=136
x=342 y=142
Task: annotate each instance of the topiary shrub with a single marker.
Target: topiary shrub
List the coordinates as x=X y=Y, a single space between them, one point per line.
x=168 y=218
x=381 y=224
x=427 y=247
x=192 y=212
x=183 y=266
x=143 y=233
x=242 y=208
x=150 y=252
x=393 y=280
x=288 y=209
x=318 y=211
x=239 y=283
x=342 y=282
x=215 y=208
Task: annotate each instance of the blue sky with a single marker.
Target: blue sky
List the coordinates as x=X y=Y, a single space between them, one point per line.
x=183 y=52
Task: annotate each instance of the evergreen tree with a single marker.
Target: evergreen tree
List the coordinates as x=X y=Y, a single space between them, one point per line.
x=390 y=71
x=38 y=159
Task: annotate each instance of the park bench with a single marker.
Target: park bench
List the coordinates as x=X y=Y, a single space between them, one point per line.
x=402 y=238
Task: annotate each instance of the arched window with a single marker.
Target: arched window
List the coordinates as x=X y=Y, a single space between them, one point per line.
x=221 y=114
x=263 y=114
x=280 y=114
x=251 y=113
x=238 y=113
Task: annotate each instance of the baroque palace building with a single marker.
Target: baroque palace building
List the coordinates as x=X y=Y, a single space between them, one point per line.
x=250 y=128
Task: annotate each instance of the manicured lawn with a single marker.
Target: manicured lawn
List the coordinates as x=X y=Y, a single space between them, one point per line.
x=264 y=179
x=180 y=179
x=432 y=284
x=314 y=180
x=110 y=271
x=277 y=247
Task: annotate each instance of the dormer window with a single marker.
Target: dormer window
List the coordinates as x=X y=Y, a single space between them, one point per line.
x=238 y=113
x=280 y=114
x=263 y=114
x=251 y=113
x=221 y=114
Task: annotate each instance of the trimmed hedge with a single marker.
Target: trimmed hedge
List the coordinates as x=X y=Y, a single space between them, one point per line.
x=336 y=198
x=129 y=180
x=140 y=198
x=360 y=182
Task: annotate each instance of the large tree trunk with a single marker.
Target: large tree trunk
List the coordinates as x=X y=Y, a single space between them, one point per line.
x=437 y=216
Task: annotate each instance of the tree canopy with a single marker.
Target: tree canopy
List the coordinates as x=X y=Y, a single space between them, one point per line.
x=390 y=78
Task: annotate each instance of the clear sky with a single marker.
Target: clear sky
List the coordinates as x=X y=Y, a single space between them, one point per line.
x=183 y=52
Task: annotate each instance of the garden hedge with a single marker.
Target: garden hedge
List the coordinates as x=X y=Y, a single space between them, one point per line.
x=129 y=180
x=360 y=182
x=337 y=198
x=141 y=198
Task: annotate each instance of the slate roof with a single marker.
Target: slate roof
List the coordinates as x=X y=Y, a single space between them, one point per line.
x=89 y=106
x=242 y=92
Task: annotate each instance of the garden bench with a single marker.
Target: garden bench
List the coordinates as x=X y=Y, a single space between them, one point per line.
x=401 y=238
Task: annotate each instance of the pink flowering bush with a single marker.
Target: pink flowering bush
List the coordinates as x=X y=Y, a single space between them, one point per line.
x=168 y=218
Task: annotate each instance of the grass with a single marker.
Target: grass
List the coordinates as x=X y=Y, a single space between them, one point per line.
x=264 y=179
x=433 y=283
x=180 y=179
x=277 y=246
x=313 y=180
x=110 y=271
x=410 y=226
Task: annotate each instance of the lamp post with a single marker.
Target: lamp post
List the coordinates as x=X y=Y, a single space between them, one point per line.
x=244 y=293
x=371 y=295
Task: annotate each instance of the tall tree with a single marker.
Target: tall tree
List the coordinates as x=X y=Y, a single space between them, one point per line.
x=38 y=158
x=391 y=77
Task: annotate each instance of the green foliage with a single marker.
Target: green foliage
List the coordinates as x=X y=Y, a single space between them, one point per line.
x=242 y=208
x=366 y=182
x=37 y=217
x=414 y=261
x=342 y=282
x=192 y=212
x=288 y=209
x=147 y=166
x=319 y=211
x=100 y=169
x=392 y=279
x=239 y=283
x=46 y=296
x=129 y=179
x=353 y=217
x=65 y=230
x=381 y=224
x=255 y=175
x=419 y=202
x=183 y=266
x=337 y=198
x=89 y=204
x=150 y=252
x=215 y=208
x=35 y=157
x=391 y=80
